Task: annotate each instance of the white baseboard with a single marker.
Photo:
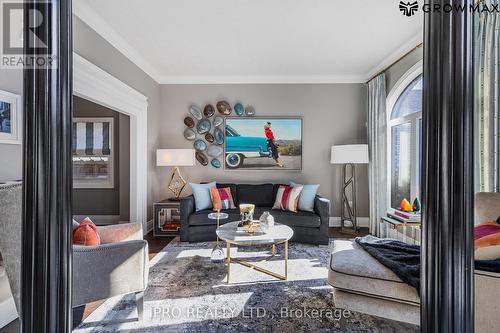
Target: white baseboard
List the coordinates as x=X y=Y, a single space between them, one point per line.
x=8 y=311
x=362 y=221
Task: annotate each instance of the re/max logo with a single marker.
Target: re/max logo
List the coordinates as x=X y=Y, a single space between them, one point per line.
x=447 y=8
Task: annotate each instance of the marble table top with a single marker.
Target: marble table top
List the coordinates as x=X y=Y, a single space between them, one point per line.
x=231 y=233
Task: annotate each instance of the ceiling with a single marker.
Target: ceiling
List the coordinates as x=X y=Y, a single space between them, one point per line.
x=255 y=41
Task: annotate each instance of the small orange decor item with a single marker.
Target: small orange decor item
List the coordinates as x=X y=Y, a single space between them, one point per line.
x=86 y=234
x=406 y=206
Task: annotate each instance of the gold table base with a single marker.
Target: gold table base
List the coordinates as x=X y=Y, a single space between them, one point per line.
x=254 y=265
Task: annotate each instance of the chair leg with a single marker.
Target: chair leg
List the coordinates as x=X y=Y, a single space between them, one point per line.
x=139 y=297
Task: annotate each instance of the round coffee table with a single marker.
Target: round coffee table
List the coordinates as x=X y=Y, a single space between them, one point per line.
x=232 y=234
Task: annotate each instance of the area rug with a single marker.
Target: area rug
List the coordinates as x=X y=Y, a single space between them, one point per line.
x=188 y=293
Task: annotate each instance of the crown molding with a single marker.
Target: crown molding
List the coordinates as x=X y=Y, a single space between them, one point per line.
x=83 y=11
x=264 y=79
x=395 y=55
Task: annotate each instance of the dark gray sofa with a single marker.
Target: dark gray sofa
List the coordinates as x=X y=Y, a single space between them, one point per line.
x=309 y=227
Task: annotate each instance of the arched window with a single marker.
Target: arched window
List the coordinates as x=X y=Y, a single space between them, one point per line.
x=405 y=139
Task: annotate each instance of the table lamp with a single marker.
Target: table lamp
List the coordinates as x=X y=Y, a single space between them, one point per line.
x=348 y=156
x=175 y=158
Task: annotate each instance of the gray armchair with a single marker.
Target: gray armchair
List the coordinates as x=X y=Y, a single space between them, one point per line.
x=116 y=267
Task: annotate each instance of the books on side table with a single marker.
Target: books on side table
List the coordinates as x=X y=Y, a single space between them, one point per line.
x=405 y=217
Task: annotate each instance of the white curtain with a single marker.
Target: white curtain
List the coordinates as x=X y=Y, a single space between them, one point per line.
x=486 y=104
x=377 y=142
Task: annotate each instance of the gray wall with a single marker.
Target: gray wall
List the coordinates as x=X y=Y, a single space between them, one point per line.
x=91 y=46
x=91 y=201
x=393 y=73
x=333 y=114
x=11 y=80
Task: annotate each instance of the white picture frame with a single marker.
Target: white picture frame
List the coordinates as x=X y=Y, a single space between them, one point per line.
x=14 y=123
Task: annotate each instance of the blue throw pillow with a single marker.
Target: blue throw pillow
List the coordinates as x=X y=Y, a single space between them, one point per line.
x=202 y=198
x=307 y=196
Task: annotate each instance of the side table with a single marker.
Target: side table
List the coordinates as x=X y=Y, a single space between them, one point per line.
x=405 y=232
x=166 y=218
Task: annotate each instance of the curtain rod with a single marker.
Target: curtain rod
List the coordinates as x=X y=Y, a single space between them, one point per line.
x=397 y=60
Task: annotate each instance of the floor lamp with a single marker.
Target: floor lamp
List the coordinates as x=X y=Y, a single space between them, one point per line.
x=348 y=156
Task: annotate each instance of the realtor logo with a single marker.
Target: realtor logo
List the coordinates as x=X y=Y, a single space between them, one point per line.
x=13 y=54
x=408 y=8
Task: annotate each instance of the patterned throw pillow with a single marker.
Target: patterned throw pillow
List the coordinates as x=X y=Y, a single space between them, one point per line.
x=487 y=241
x=86 y=234
x=222 y=198
x=287 y=198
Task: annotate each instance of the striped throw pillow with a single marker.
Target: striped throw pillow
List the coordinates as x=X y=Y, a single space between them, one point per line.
x=287 y=198
x=222 y=198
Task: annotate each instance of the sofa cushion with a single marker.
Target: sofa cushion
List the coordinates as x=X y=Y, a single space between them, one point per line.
x=299 y=219
x=259 y=195
x=353 y=269
x=234 y=192
x=200 y=218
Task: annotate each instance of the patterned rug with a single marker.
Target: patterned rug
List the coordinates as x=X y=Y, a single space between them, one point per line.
x=188 y=293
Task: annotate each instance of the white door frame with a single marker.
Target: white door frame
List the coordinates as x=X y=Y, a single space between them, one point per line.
x=94 y=84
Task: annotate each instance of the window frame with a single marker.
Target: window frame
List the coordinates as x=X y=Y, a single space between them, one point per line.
x=398 y=89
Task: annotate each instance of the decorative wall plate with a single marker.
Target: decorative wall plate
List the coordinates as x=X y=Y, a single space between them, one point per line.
x=196 y=112
x=208 y=111
x=215 y=151
x=209 y=137
x=189 y=134
x=216 y=163
x=203 y=126
x=201 y=158
x=250 y=111
x=218 y=120
x=219 y=136
x=189 y=122
x=239 y=109
x=200 y=145
x=224 y=108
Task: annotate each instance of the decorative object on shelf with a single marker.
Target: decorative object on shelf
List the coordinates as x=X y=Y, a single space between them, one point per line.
x=203 y=126
x=417 y=206
x=175 y=158
x=246 y=213
x=208 y=111
x=195 y=112
x=239 y=109
x=200 y=145
x=224 y=108
x=266 y=221
x=405 y=205
x=250 y=111
x=166 y=218
x=219 y=136
x=189 y=122
x=10 y=118
x=349 y=155
x=209 y=137
x=189 y=134
x=214 y=151
x=202 y=158
x=218 y=120
x=217 y=254
x=216 y=163
x=275 y=142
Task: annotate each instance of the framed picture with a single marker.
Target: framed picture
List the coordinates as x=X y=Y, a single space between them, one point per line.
x=263 y=143
x=93 y=153
x=10 y=118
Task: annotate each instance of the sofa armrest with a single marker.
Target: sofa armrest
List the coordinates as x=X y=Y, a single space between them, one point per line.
x=322 y=208
x=109 y=270
x=186 y=209
x=120 y=232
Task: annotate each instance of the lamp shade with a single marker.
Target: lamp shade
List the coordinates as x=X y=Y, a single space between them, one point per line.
x=175 y=157
x=356 y=154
